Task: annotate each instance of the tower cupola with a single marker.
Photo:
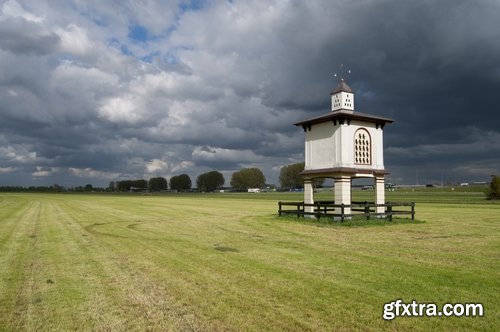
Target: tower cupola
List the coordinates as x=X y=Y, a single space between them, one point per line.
x=342 y=98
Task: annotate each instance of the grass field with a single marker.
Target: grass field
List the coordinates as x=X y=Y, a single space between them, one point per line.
x=227 y=262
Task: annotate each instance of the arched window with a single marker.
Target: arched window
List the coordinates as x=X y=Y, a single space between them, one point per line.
x=362 y=147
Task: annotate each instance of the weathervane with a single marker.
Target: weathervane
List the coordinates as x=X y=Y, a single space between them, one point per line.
x=342 y=72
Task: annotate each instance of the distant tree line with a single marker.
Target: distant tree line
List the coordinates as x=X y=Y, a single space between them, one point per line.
x=241 y=180
x=52 y=189
x=206 y=182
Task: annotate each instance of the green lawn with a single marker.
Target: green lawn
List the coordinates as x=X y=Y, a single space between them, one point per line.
x=227 y=262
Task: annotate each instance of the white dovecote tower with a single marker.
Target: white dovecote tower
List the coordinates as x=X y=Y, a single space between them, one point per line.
x=344 y=144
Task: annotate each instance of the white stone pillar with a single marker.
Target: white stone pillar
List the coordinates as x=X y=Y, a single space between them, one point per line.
x=308 y=196
x=379 y=193
x=343 y=193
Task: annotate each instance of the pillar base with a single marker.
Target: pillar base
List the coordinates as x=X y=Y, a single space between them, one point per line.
x=343 y=193
x=380 y=194
x=308 y=197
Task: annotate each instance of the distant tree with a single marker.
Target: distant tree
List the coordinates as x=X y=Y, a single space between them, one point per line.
x=248 y=178
x=290 y=177
x=125 y=185
x=158 y=184
x=88 y=187
x=56 y=188
x=112 y=186
x=210 y=181
x=143 y=184
x=493 y=191
x=180 y=182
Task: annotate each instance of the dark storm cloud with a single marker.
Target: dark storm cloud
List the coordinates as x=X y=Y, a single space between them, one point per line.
x=23 y=37
x=219 y=87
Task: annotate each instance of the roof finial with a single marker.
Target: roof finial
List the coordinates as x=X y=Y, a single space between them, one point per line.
x=342 y=72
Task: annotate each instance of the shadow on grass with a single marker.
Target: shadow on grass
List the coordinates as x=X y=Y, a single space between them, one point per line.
x=354 y=222
x=222 y=248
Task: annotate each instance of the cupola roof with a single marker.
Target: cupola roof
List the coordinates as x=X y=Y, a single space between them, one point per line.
x=342 y=87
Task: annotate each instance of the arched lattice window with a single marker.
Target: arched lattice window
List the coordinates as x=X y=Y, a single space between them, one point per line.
x=362 y=147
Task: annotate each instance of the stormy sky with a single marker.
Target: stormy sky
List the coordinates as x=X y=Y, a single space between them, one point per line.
x=97 y=91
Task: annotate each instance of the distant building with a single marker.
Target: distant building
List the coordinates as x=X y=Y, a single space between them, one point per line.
x=137 y=189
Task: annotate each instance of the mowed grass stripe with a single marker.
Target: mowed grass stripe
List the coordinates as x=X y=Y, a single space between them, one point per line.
x=134 y=301
x=18 y=267
x=10 y=213
x=81 y=289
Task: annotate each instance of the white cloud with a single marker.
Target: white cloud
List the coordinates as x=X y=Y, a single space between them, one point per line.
x=4 y=170
x=214 y=154
x=44 y=171
x=156 y=165
x=14 y=9
x=120 y=109
x=78 y=77
x=183 y=165
x=20 y=154
x=74 y=40
x=91 y=173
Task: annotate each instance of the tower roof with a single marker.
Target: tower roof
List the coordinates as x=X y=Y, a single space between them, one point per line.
x=341 y=117
x=342 y=87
